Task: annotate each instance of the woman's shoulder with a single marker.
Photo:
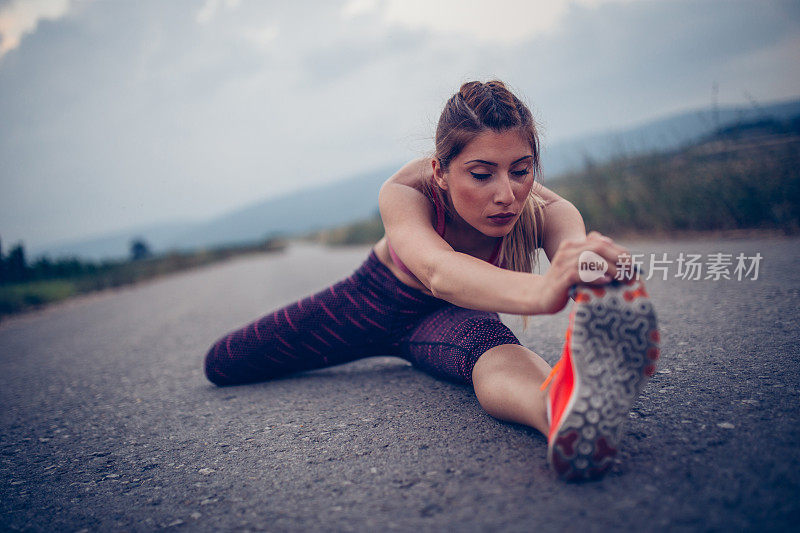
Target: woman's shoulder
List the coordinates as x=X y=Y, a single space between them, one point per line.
x=414 y=173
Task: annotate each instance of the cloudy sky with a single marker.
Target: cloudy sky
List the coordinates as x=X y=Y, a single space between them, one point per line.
x=116 y=114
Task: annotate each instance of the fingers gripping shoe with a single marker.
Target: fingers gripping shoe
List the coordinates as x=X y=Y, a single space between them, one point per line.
x=610 y=352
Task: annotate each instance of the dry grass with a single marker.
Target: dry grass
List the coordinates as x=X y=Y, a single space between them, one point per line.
x=730 y=184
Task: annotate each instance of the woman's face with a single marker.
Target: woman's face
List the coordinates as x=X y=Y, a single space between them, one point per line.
x=490 y=180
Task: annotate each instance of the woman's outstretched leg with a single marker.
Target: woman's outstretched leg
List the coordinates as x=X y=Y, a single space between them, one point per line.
x=507 y=381
x=476 y=348
x=334 y=326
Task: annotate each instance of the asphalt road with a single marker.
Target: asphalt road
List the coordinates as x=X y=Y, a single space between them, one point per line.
x=107 y=422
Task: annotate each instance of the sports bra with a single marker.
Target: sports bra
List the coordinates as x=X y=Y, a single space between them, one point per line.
x=440 y=228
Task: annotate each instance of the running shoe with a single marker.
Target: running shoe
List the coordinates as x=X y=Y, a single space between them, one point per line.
x=610 y=352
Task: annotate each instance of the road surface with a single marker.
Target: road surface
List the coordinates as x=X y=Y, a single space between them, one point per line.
x=108 y=423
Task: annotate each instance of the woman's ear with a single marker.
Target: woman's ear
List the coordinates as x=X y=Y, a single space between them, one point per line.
x=438 y=174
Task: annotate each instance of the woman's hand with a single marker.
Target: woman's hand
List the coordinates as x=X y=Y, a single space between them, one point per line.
x=564 y=268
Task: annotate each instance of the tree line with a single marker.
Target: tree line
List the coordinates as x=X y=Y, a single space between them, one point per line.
x=15 y=268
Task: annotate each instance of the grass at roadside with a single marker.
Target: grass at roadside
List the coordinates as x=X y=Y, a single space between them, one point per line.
x=18 y=296
x=26 y=295
x=736 y=180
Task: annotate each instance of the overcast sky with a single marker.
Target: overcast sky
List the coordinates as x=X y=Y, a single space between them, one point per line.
x=116 y=114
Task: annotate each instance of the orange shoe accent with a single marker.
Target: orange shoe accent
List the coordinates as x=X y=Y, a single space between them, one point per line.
x=582 y=297
x=564 y=352
x=561 y=381
x=638 y=292
x=553 y=372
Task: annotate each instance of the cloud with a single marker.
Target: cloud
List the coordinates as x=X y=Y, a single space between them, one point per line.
x=210 y=9
x=354 y=8
x=504 y=22
x=619 y=64
x=262 y=37
x=20 y=17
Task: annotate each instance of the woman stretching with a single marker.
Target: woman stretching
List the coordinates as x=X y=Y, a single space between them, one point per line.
x=461 y=231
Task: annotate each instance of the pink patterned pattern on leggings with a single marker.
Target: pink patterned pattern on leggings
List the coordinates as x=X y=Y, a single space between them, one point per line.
x=367 y=314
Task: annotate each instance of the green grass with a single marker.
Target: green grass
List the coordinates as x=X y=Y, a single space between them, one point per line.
x=19 y=296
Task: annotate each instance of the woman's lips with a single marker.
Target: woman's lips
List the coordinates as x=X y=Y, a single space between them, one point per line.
x=502 y=219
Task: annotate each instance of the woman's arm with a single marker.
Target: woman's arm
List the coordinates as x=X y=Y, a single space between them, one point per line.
x=453 y=276
x=469 y=282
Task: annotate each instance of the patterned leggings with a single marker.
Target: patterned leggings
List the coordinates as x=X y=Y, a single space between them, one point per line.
x=369 y=313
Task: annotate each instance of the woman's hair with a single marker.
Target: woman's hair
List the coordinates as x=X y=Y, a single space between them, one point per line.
x=478 y=107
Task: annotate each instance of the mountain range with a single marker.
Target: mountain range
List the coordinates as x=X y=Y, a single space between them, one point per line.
x=356 y=198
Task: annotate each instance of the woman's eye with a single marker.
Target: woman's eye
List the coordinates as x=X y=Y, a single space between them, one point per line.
x=521 y=173
x=479 y=176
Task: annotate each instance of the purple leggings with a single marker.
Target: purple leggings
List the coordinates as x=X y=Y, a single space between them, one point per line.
x=369 y=313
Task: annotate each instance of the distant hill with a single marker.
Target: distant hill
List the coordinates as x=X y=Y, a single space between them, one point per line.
x=301 y=212
x=116 y=245
x=296 y=213
x=356 y=198
x=663 y=134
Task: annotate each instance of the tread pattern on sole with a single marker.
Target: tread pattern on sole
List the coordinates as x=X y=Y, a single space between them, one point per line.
x=614 y=347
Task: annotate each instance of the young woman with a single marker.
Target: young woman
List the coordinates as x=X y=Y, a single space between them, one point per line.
x=461 y=231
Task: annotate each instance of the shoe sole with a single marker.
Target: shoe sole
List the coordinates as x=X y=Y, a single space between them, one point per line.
x=614 y=348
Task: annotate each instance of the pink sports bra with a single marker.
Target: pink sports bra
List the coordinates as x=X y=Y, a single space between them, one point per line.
x=440 y=228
